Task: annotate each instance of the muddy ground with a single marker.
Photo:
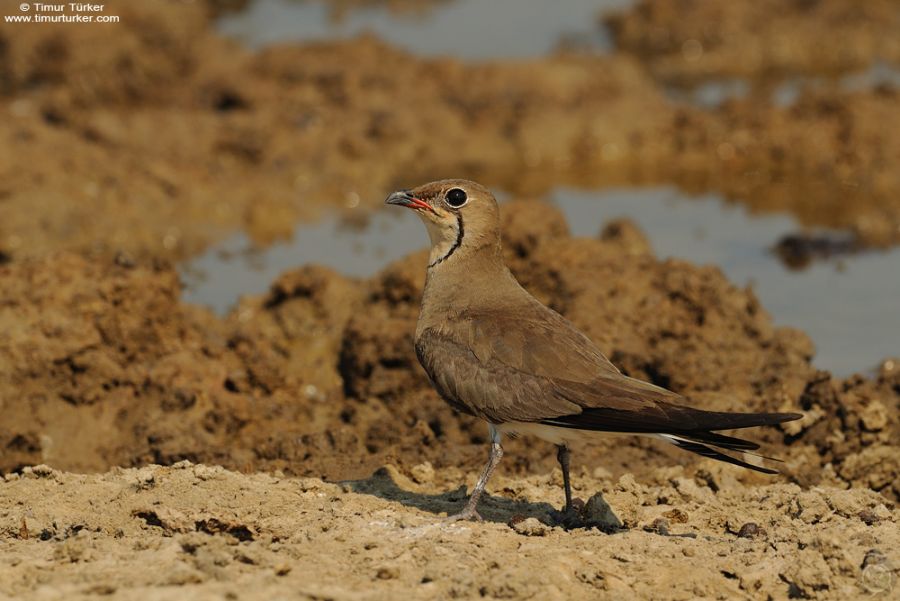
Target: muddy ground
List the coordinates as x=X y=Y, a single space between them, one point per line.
x=127 y=149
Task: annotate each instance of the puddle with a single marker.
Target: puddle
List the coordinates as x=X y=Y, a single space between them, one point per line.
x=848 y=306
x=715 y=92
x=877 y=75
x=234 y=268
x=709 y=94
x=466 y=29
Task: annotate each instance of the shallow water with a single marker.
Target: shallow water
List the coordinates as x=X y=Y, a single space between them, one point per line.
x=467 y=29
x=715 y=92
x=848 y=306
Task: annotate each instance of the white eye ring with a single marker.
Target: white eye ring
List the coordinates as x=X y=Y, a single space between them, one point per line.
x=456 y=198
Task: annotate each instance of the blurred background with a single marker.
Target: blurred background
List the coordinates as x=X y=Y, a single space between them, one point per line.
x=197 y=262
x=804 y=266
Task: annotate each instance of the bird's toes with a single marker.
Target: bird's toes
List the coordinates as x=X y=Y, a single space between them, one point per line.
x=568 y=518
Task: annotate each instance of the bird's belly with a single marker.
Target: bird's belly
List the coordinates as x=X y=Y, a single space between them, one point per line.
x=553 y=434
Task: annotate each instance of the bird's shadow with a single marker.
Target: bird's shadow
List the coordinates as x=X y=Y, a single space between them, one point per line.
x=500 y=510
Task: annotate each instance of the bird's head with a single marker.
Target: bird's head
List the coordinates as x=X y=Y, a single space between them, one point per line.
x=461 y=217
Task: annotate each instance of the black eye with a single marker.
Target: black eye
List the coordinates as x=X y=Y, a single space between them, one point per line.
x=456 y=198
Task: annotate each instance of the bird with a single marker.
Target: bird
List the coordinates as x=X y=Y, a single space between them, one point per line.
x=493 y=351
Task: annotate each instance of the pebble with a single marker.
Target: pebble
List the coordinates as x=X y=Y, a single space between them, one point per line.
x=37 y=471
x=387 y=573
x=751 y=530
x=597 y=512
x=529 y=527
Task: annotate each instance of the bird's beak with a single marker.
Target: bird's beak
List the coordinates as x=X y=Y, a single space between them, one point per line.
x=405 y=199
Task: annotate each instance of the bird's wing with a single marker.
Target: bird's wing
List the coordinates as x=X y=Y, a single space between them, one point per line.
x=535 y=366
x=531 y=366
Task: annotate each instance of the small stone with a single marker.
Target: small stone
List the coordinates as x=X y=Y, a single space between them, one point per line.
x=598 y=513
x=42 y=471
x=751 y=530
x=144 y=478
x=206 y=472
x=387 y=573
x=676 y=516
x=867 y=516
x=881 y=512
x=529 y=527
x=659 y=526
x=282 y=569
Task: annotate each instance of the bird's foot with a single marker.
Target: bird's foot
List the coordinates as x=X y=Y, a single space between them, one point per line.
x=570 y=516
x=467 y=514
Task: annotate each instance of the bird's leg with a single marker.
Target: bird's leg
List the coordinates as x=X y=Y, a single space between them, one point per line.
x=562 y=455
x=470 y=512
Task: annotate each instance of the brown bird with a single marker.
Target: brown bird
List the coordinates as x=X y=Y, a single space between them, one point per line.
x=494 y=351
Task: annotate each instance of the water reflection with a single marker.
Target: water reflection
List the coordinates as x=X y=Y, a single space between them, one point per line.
x=715 y=92
x=467 y=29
x=848 y=307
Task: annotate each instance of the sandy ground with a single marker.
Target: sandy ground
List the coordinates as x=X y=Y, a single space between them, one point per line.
x=207 y=533
x=124 y=150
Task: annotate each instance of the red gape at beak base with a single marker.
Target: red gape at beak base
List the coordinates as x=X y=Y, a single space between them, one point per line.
x=405 y=199
x=416 y=203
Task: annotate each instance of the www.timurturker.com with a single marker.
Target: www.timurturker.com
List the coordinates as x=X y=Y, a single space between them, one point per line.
x=56 y=13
